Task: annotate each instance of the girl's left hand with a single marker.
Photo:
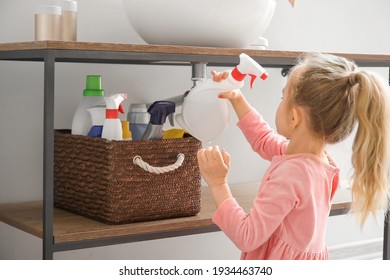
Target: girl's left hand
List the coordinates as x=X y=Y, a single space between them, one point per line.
x=214 y=165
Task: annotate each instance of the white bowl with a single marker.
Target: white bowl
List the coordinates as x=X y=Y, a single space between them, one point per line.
x=209 y=23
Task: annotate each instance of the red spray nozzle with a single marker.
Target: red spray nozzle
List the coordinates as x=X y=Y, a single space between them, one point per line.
x=250 y=67
x=120 y=109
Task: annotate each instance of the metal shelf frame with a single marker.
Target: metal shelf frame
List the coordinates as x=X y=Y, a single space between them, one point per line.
x=50 y=56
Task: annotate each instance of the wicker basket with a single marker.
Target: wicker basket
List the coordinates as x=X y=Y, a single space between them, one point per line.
x=101 y=179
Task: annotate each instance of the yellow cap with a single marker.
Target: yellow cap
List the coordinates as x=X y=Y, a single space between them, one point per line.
x=126 y=133
x=174 y=133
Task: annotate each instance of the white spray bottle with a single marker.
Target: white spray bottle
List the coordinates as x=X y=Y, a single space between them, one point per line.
x=204 y=115
x=112 y=127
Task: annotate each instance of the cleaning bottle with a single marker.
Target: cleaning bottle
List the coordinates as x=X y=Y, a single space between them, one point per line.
x=126 y=133
x=159 y=111
x=93 y=94
x=112 y=127
x=98 y=115
x=138 y=118
x=204 y=115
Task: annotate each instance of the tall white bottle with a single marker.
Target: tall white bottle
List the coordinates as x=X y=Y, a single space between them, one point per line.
x=112 y=127
x=93 y=95
x=204 y=115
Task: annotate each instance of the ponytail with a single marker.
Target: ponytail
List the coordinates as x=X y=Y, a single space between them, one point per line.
x=370 y=189
x=338 y=97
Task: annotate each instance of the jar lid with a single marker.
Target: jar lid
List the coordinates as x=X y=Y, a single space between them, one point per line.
x=48 y=9
x=67 y=5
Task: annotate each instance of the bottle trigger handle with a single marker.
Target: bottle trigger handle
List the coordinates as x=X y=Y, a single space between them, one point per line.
x=120 y=108
x=253 y=78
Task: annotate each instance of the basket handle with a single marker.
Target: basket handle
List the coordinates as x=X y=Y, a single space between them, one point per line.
x=137 y=160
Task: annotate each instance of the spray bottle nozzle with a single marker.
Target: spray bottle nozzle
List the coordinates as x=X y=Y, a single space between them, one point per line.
x=250 y=67
x=160 y=110
x=114 y=105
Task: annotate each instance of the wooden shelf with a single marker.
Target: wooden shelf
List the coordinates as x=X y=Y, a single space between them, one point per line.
x=69 y=227
x=157 y=54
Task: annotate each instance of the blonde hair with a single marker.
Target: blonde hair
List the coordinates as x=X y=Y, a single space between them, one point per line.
x=338 y=96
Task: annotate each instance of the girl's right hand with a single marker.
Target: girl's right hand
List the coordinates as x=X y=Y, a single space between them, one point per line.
x=230 y=95
x=236 y=98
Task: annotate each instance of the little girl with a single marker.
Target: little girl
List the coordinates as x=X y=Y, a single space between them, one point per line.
x=324 y=99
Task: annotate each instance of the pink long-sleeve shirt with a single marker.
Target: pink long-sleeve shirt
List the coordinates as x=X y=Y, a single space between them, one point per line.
x=290 y=212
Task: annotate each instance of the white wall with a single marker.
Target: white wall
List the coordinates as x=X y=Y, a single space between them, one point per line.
x=334 y=26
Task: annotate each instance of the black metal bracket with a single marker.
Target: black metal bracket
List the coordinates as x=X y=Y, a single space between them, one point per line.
x=286 y=70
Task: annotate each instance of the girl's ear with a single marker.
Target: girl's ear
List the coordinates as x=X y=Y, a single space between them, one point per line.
x=296 y=116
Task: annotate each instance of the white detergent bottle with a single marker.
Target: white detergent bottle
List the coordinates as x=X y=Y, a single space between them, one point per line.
x=98 y=115
x=112 y=127
x=93 y=94
x=204 y=115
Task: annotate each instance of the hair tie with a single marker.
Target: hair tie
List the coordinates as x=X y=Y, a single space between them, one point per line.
x=352 y=79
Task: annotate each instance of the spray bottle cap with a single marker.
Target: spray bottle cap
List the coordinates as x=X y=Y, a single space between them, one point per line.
x=114 y=105
x=138 y=114
x=248 y=66
x=160 y=110
x=93 y=86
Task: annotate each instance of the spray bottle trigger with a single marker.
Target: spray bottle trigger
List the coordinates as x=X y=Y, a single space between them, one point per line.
x=120 y=108
x=171 y=119
x=253 y=78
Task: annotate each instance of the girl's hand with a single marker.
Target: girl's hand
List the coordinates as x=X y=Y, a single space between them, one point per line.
x=214 y=166
x=236 y=98
x=230 y=95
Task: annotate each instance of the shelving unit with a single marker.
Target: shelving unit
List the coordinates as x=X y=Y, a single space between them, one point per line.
x=61 y=230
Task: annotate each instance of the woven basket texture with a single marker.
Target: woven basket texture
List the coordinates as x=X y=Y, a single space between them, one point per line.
x=97 y=178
